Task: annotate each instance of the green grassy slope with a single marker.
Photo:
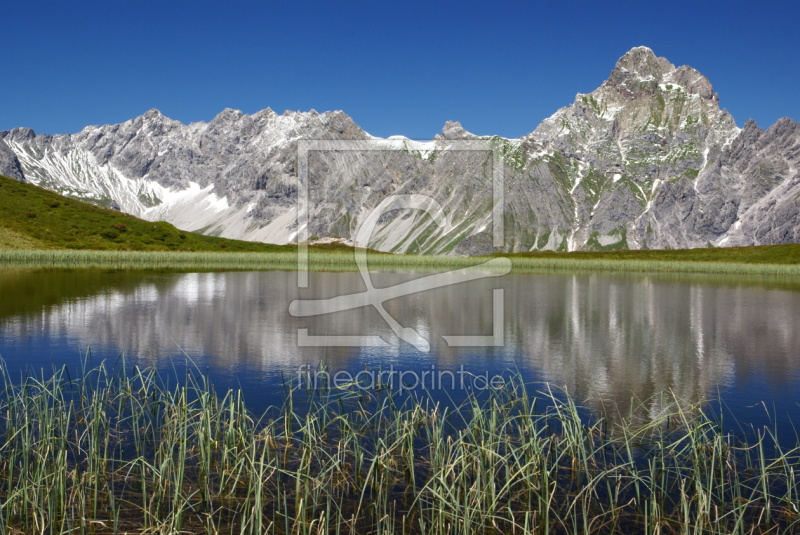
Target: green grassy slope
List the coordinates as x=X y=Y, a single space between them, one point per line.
x=35 y=218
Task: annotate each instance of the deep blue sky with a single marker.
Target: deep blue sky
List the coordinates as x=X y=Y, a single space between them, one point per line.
x=403 y=67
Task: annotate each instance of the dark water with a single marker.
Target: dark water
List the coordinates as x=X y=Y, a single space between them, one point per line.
x=604 y=338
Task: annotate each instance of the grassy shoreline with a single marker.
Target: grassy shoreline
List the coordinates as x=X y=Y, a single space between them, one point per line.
x=745 y=261
x=113 y=451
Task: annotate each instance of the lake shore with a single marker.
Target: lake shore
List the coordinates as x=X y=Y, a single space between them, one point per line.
x=779 y=260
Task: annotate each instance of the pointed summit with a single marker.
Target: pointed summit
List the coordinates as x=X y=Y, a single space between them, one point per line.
x=642 y=62
x=227 y=115
x=153 y=113
x=153 y=118
x=454 y=130
x=641 y=70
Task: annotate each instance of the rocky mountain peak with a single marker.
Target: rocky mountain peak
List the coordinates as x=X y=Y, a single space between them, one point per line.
x=454 y=130
x=153 y=114
x=20 y=133
x=340 y=124
x=642 y=62
x=227 y=115
x=784 y=125
x=641 y=71
x=648 y=98
x=152 y=122
x=751 y=127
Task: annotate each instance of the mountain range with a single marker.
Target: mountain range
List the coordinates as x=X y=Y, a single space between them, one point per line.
x=648 y=160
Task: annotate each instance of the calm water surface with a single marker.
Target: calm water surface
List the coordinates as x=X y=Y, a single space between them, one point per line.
x=604 y=338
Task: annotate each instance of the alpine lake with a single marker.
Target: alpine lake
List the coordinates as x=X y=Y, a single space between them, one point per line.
x=606 y=340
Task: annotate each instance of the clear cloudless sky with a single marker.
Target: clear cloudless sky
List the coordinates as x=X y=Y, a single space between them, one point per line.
x=402 y=67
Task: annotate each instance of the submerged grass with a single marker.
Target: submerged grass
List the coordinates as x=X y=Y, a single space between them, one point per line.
x=321 y=259
x=122 y=451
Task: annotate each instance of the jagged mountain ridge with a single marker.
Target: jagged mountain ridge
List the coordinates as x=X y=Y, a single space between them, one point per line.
x=647 y=160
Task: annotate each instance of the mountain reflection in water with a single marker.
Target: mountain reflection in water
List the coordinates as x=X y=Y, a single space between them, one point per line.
x=605 y=338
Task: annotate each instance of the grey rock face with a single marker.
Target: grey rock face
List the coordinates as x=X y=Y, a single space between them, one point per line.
x=9 y=163
x=648 y=125
x=748 y=197
x=454 y=130
x=766 y=165
x=647 y=160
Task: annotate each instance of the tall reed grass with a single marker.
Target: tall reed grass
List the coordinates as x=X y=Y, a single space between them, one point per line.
x=336 y=260
x=122 y=451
